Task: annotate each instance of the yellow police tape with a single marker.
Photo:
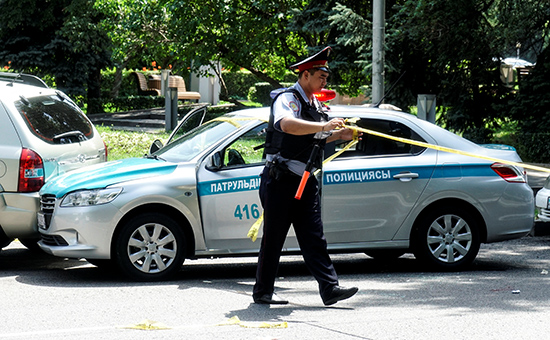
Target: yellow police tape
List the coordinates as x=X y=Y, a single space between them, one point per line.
x=233 y=120
x=253 y=231
x=446 y=149
x=149 y=325
x=236 y=321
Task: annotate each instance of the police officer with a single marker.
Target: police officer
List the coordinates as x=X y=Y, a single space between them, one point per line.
x=297 y=127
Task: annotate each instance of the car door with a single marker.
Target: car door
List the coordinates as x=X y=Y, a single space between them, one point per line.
x=369 y=190
x=228 y=192
x=191 y=120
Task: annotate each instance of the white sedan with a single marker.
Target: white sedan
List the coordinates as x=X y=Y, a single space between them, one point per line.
x=542 y=201
x=198 y=197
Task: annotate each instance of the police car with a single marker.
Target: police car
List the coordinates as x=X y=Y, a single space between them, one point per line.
x=197 y=196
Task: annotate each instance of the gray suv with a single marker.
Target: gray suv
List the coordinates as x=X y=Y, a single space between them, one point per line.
x=42 y=134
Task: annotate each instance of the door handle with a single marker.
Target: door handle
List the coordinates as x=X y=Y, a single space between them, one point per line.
x=405 y=176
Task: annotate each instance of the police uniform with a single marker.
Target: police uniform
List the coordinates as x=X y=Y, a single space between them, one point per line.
x=287 y=156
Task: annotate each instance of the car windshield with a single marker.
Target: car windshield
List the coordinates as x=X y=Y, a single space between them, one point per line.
x=196 y=141
x=54 y=119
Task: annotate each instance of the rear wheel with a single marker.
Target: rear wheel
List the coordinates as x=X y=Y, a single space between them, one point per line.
x=447 y=239
x=150 y=247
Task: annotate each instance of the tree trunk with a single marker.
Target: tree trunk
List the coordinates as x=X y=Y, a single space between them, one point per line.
x=94 y=92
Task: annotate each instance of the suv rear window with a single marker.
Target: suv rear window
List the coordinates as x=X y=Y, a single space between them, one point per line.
x=54 y=119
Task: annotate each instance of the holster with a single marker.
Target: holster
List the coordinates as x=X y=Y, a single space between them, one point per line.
x=278 y=170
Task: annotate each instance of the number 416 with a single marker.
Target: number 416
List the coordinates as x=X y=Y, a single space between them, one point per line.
x=245 y=211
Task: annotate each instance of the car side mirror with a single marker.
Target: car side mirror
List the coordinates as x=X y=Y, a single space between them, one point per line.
x=157 y=145
x=215 y=162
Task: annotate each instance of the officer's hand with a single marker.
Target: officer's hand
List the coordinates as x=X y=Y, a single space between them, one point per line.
x=333 y=124
x=346 y=134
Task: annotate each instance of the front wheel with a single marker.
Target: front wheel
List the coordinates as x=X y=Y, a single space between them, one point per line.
x=447 y=239
x=150 y=247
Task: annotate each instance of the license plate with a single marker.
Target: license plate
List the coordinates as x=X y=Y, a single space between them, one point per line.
x=41 y=221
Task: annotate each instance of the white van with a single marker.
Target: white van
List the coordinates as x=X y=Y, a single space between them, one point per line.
x=42 y=134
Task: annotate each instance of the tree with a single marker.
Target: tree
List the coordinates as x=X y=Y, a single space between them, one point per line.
x=141 y=34
x=244 y=34
x=28 y=34
x=451 y=49
x=263 y=37
x=57 y=38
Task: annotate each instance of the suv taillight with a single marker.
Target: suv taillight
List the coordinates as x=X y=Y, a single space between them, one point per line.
x=31 y=171
x=106 y=151
x=509 y=173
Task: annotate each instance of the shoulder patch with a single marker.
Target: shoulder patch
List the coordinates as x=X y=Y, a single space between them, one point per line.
x=294 y=106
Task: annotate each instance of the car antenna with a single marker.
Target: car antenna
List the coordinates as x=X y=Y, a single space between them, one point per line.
x=388 y=92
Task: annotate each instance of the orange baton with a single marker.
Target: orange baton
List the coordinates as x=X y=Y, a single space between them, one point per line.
x=307 y=171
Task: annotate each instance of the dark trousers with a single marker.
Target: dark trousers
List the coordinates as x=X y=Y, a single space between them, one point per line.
x=281 y=210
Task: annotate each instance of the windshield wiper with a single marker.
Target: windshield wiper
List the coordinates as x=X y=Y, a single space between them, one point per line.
x=67 y=135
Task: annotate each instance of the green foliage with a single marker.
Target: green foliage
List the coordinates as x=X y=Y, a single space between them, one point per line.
x=338 y=24
x=531 y=106
x=126 y=144
x=531 y=109
x=533 y=146
x=55 y=37
x=128 y=86
x=448 y=48
x=260 y=92
x=129 y=103
x=238 y=83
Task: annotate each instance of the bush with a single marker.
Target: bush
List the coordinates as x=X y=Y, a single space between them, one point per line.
x=129 y=103
x=532 y=147
x=260 y=92
x=238 y=83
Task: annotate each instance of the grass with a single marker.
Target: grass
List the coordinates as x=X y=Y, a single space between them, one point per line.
x=126 y=144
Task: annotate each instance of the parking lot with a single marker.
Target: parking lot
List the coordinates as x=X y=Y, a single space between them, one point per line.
x=504 y=295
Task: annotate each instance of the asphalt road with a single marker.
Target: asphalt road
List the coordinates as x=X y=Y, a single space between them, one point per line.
x=504 y=295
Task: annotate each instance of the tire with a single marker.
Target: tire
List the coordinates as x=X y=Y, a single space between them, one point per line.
x=447 y=239
x=150 y=247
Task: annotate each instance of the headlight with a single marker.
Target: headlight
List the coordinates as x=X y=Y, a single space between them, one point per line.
x=90 y=197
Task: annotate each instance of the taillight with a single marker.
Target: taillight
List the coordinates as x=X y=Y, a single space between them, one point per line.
x=106 y=151
x=31 y=171
x=325 y=95
x=509 y=173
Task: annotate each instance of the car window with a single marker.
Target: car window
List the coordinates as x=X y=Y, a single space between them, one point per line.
x=248 y=149
x=54 y=119
x=189 y=122
x=371 y=145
